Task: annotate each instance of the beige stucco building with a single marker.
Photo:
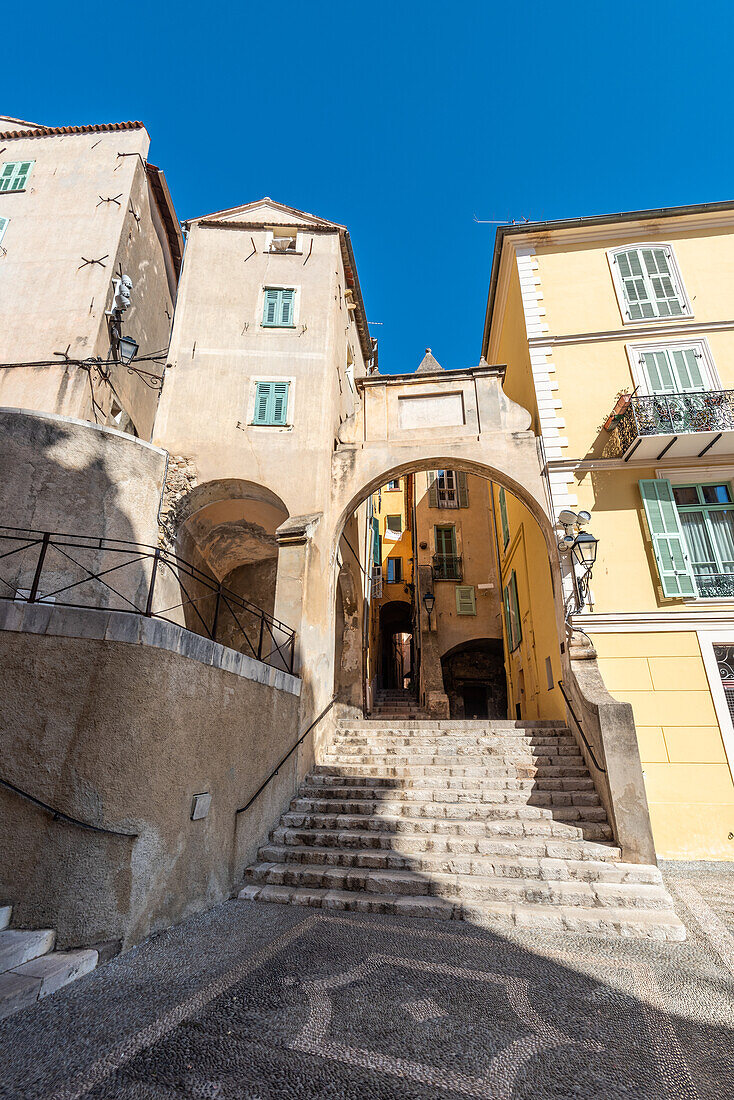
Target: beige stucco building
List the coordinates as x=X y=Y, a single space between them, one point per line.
x=80 y=207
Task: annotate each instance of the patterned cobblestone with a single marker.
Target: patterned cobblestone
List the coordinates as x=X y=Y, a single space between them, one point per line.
x=266 y=1002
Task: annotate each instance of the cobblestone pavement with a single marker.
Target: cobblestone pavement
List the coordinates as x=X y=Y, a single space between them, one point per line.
x=270 y=1002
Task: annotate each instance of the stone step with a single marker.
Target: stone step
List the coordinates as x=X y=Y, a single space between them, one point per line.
x=39 y=977
x=538 y=867
x=460 y=887
x=509 y=771
x=455 y=724
x=643 y=923
x=435 y=844
x=543 y=746
x=452 y=737
x=453 y=760
x=447 y=783
x=6 y=912
x=18 y=946
x=509 y=827
x=462 y=811
x=451 y=796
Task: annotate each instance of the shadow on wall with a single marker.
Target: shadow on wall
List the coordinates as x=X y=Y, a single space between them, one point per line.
x=114 y=733
x=474 y=679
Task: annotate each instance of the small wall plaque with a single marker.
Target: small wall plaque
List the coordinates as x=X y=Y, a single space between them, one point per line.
x=201 y=805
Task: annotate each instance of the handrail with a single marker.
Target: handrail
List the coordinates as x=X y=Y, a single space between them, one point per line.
x=569 y=704
x=264 y=645
x=59 y=815
x=303 y=737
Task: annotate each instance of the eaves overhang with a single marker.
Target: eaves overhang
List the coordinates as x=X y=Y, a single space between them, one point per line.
x=533 y=230
x=56 y=131
x=163 y=199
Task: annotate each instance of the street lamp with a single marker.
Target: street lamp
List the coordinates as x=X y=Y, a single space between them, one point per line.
x=128 y=348
x=582 y=546
x=429 y=601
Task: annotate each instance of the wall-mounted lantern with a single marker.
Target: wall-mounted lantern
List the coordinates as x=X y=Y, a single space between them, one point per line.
x=429 y=602
x=128 y=348
x=582 y=546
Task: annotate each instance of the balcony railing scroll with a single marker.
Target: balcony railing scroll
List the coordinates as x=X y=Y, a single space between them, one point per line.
x=81 y=571
x=447 y=567
x=670 y=414
x=715 y=586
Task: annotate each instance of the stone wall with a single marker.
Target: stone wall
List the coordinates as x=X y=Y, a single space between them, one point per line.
x=104 y=717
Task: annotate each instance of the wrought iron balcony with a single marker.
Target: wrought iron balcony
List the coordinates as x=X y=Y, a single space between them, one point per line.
x=693 y=424
x=715 y=586
x=447 y=567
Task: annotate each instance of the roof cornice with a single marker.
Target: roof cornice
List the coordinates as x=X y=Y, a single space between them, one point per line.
x=598 y=227
x=443 y=376
x=56 y=131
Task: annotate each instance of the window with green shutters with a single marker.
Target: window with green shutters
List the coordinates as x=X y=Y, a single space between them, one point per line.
x=668 y=542
x=673 y=370
x=271 y=403
x=376 y=547
x=14 y=175
x=503 y=518
x=466 y=603
x=707 y=517
x=513 y=627
x=447 y=489
x=278 y=307
x=3 y=227
x=648 y=283
x=394 y=570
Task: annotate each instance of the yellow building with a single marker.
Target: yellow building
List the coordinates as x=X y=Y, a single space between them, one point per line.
x=391 y=654
x=617 y=335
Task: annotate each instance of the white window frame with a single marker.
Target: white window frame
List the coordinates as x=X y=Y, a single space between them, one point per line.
x=270 y=285
x=297 y=233
x=252 y=396
x=708 y=368
x=706 y=640
x=687 y=310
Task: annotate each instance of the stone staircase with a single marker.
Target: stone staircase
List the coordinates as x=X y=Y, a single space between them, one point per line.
x=395 y=703
x=31 y=969
x=497 y=823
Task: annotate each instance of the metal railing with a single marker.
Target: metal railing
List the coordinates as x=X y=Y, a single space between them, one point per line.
x=447 y=567
x=81 y=571
x=671 y=414
x=715 y=585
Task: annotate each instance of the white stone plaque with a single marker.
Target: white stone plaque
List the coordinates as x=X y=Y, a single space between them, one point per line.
x=445 y=410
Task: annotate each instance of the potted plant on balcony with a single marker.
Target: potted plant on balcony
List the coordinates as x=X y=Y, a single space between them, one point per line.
x=623 y=399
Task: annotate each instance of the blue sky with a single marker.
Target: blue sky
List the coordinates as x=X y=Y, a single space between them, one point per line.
x=403 y=121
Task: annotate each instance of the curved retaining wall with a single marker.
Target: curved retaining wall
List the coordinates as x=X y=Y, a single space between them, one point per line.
x=120 y=721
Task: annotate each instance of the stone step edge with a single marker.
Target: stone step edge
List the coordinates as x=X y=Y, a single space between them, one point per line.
x=603 y=849
x=629 y=923
x=274 y=852
x=496 y=811
x=649 y=895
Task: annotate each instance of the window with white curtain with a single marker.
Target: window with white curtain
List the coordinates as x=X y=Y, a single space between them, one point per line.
x=707 y=518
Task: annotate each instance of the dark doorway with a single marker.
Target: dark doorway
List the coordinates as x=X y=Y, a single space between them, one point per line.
x=474 y=679
x=396 y=655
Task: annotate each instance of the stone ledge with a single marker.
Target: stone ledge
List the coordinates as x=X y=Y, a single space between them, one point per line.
x=130 y=629
x=105 y=429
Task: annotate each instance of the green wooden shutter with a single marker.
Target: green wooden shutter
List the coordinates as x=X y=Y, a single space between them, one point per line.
x=376 y=554
x=446 y=540
x=14 y=175
x=508 y=622
x=280 y=402
x=503 y=518
x=432 y=490
x=270 y=310
x=263 y=399
x=515 y=611
x=660 y=276
x=463 y=490
x=687 y=370
x=3 y=227
x=676 y=575
x=634 y=285
x=466 y=603
x=286 y=307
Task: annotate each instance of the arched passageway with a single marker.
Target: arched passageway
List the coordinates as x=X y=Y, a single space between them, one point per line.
x=395 y=654
x=474 y=679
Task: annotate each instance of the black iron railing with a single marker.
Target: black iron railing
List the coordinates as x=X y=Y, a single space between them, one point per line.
x=671 y=414
x=715 y=585
x=81 y=571
x=447 y=567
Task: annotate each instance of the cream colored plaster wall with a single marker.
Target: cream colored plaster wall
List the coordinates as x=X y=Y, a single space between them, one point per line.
x=512 y=350
x=687 y=776
x=579 y=295
x=50 y=300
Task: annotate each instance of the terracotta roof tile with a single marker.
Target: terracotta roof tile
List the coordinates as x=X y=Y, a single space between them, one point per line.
x=54 y=131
